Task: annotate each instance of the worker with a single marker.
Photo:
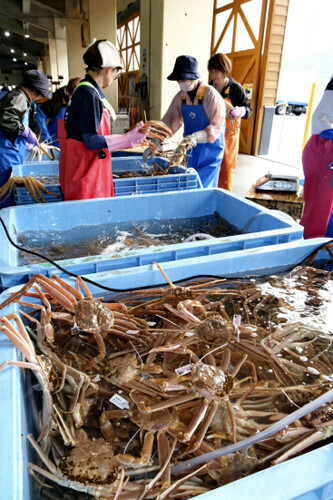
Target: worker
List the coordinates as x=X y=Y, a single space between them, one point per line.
x=317 y=159
x=238 y=107
x=84 y=134
x=15 y=136
x=202 y=110
x=50 y=111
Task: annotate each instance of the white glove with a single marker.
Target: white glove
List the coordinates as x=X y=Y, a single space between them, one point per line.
x=199 y=137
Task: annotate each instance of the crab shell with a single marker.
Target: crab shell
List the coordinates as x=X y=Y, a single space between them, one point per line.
x=93 y=316
x=211 y=381
x=93 y=462
x=120 y=370
x=156 y=421
x=213 y=329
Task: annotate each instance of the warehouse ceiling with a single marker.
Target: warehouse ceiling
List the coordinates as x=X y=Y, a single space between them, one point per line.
x=25 y=26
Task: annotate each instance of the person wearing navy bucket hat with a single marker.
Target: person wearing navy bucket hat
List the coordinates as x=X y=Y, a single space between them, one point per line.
x=202 y=111
x=15 y=135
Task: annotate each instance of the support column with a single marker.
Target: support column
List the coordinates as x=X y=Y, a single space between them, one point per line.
x=53 y=58
x=170 y=28
x=103 y=25
x=46 y=64
x=61 y=43
x=74 y=39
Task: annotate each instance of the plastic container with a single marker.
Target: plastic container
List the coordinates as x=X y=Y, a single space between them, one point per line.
x=281 y=482
x=15 y=424
x=260 y=227
x=178 y=179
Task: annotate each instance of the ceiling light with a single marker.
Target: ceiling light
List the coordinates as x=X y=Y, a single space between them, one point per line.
x=12 y=51
x=26 y=64
x=14 y=59
x=7 y=33
x=26 y=35
x=25 y=54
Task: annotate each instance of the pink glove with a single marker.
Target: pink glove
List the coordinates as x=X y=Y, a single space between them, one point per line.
x=238 y=111
x=30 y=136
x=129 y=140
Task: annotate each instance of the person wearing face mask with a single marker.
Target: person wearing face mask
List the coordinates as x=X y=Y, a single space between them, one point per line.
x=16 y=138
x=84 y=134
x=202 y=111
x=219 y=67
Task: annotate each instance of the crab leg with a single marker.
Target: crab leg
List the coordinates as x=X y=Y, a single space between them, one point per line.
x=164 y=453
x=201 y=435
x=130 y=461
x=54 y=290
x=176 y=484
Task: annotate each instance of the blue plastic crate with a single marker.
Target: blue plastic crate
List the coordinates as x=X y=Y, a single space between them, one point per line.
x=280 y=482
x=178 y=179
x=260 y=227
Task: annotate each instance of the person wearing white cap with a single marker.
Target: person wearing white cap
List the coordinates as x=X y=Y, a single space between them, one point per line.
x=15 y=135
x=84 y=134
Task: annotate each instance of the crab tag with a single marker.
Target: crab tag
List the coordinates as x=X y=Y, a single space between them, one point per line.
x=183 y=370
x=237 y=319
x=119 y=401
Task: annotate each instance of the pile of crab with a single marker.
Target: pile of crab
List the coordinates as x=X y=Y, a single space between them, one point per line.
x=137 y=382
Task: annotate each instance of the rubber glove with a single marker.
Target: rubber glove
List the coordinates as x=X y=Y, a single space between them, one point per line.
x=238 y=111
x=30 y=136
x=149 y=153
x=129 y=140
x=29 y=146
x=199 y=137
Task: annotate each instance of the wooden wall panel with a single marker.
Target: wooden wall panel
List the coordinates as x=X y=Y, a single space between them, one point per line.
x=260 y=64
x=269 y=80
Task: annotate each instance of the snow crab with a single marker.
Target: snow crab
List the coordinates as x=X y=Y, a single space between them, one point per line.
x=90 y=467
x=84 y=313
x=33 y=185
x=155 y=130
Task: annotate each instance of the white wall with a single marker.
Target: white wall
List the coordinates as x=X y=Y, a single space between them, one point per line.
x=103 y=24
x=170 y=28
x=187 y=28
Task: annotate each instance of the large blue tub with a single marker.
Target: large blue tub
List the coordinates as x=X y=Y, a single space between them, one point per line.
x=259 y=227
x=308 y=477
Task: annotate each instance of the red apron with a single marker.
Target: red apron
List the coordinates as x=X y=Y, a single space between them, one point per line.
x=82 y=173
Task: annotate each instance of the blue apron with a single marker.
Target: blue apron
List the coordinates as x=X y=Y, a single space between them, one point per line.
x=11 y=155
x=205 y=158
x=49 y=126
x=53 y=126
